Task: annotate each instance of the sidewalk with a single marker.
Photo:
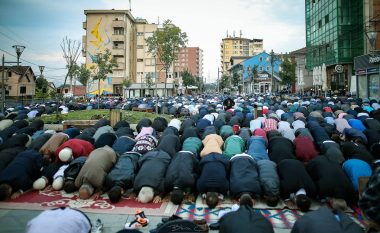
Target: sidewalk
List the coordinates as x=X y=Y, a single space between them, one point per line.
x=14 y=221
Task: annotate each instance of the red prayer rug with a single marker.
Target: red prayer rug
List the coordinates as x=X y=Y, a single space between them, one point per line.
x=42 y=200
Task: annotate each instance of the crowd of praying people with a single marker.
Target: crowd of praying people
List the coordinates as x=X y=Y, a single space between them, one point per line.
x=248 y=148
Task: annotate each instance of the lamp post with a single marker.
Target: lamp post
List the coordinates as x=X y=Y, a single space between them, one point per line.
x=19 y=49
x=272 y=64
x=43 y=88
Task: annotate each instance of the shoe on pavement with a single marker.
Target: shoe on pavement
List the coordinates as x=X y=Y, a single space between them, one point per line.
x=137 y=223
x=98 y=227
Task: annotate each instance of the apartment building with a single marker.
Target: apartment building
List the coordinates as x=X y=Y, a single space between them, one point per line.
x=238 y=47
x=114 y=30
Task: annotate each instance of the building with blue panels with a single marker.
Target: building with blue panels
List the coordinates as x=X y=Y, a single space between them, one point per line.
x=259 y=81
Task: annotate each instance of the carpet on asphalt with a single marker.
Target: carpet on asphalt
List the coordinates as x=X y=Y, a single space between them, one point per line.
x=48 y=199
x=280 y=216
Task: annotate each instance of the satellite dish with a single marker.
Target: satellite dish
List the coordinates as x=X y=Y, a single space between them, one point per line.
x=339 y=68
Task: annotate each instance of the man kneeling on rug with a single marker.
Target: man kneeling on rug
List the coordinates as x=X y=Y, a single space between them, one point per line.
x=245 y=219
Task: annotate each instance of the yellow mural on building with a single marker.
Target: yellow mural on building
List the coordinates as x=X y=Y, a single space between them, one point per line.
x=100 y=45
x=95 y=31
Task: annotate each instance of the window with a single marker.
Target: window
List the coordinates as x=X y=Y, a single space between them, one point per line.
x=9 y=87
x=261 y=68
x=118 y=44
x=140 y=46
x=268 y=68
x=9 y=74
x=260 y=59
x=319 y=23
x=327 y=19
x=118 y=31
x=140 y=60
x=140 y=33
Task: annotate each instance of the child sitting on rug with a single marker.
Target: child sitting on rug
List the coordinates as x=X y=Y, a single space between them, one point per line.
x=19 y=175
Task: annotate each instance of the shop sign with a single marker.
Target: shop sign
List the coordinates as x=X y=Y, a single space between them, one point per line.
x=374 y=59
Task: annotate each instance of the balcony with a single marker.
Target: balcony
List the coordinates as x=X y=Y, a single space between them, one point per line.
x=118 y=24
x=118 y=38
x=118 y=51
x=84 y=25
x=120 y=66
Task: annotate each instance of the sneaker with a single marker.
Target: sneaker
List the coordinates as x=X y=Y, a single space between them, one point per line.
x=140 y=213
x=137 y=223
x=98 y=227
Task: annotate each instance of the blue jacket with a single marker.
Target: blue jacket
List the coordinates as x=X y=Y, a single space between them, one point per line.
x=244 y=176
x=257 y=148
x=214 y=174
x=23 y=170
x=123 y=144
x=355 y=168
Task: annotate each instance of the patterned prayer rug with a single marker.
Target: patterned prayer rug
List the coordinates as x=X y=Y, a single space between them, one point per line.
x=280 y=218
x=41 y=200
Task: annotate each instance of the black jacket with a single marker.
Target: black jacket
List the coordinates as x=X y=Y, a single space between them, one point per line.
x=280 y=148
x=324 y=220
x=124 y=172
x=352 y=150
x=72 y=171
x=153 y=166
x=245 y=220
x=170 y=144
x=182 y=171
x=293 y=176
x=330 y=179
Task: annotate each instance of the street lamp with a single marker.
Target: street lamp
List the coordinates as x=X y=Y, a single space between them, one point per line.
x=19 y=49
x=43 y=88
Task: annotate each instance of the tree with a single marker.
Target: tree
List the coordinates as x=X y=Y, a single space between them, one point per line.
x=41 y=83
x=165 y=43
x=83 y=75
x=187 y=79
x=235 y=80
x=104 y=63
x=71 y=50
x=224 y=82
x=288 y=72
x=126 y=83
x=149 y=80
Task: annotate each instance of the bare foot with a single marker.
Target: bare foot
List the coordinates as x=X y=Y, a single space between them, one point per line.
x=157 y=199
x=190 y=197
x=15 y=195
x=290 y=204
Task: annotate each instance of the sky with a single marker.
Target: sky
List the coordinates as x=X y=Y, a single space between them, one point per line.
x=40 y=25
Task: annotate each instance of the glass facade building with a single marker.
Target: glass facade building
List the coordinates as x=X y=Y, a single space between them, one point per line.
x=334 y=35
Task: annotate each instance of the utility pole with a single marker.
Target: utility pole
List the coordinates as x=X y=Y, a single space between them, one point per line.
x=218 y=80
x=2 y=85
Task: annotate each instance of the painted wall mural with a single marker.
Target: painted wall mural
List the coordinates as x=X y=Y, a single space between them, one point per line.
x=99 y=42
